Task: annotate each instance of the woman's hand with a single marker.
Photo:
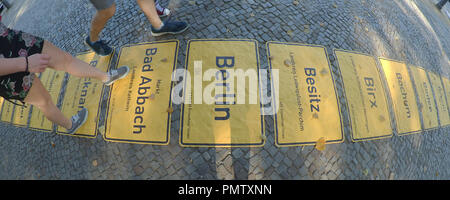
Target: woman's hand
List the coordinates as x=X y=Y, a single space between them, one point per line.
x=38 y=62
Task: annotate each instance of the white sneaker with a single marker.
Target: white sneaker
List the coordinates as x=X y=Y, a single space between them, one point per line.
x=78 y=120
x=162 y=12
x=116 y=74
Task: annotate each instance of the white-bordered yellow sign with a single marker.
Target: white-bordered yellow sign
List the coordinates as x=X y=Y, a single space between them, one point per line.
x=402 y=95
x=216 y=116
x=426 y=104
x=138 y=104
x=441 y=102
x=7 y=111
x=52 y=81
x=366 y=99
x=21 y=114
x=308 y=103
x=446 y=83
x=85 y=93
x=1 y=107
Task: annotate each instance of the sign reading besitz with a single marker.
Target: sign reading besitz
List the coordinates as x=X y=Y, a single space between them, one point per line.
x=308 y=105
x=441 y=102
x=52 y=81
x=426 y=104
x=138 y=104
x=403 y=96
x=223 y=107
x=366 y=99
x=85 y=93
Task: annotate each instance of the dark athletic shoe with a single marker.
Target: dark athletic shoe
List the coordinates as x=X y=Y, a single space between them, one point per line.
x=99 y=47
x=78 y=120
x=117 y=74
x=170 y=27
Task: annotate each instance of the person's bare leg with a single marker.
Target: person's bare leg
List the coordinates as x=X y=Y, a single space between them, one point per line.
x=39 y=97
x=63 y=61
x=149 y=9
x=99 y=22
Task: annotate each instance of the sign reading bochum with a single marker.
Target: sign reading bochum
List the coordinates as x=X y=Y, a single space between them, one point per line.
x=139 y=104
x=403 y=96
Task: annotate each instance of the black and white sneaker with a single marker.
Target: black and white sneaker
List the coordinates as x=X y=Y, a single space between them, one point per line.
x=117 y=74
x=78 y=120
x=170 y=27
x=162 y=12
x=100 y=47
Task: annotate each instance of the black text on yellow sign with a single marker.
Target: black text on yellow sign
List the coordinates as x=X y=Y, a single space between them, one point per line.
x=366 y=99
x=446 y=83
x=426 y=104
x=308 y=104
x=2 y=100
x=7 y=111
x=402 y=95
x=139 y=103
x=52 y=81
x=85 y=93
x=441 y=102
x=21 y=114
x=221 y=109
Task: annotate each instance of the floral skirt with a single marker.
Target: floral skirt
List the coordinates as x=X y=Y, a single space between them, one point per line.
x=15 y=44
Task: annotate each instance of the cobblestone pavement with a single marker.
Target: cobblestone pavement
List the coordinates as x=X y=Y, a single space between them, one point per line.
x=409 y=30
